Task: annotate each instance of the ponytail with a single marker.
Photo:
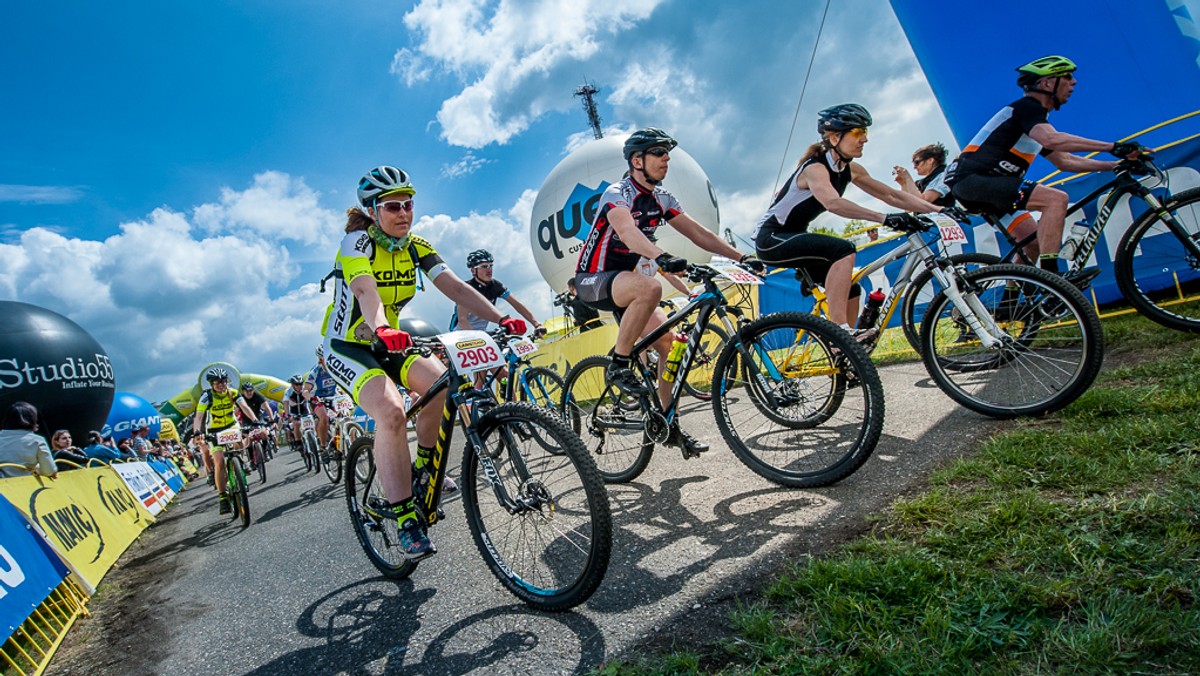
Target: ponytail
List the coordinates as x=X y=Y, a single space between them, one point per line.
x=357 y=219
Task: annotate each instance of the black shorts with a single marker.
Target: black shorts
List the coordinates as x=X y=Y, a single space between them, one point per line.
x=804 y=250
x=996 y=195
x=595 y=289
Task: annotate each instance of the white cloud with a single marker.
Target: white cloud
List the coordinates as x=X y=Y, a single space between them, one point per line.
x=39 y=194
x=507 y=52
x=467 y=164
x=276 y=206
x=410 y=67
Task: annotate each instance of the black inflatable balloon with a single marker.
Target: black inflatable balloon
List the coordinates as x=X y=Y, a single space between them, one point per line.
x=52 y=363
x=418 y=327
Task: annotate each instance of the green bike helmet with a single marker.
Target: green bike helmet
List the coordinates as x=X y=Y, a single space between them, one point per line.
x=1047 y=66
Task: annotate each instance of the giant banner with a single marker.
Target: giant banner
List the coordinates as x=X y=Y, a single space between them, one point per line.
x=29 y=569
x=89 y=516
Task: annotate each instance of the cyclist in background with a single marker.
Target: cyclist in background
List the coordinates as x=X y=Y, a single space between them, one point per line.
x=257 y=403
x=930 y=164
x=989 y=175
x=482 y=266
x=292 y=407
x=319 y=389
x=628 y=214
x=377 y=268
x=821 y=177
x=215 y=413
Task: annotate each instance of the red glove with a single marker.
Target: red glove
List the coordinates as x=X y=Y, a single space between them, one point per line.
x=394 y=340
x=515 y=327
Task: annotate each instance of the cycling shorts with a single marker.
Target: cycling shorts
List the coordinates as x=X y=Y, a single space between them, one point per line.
x=352 y=365
x=809 y=251
x=595 y=289
x=997 y=195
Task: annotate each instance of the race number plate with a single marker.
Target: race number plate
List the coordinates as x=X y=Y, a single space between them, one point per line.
x=308 y=423
x=343 y=404
x=471 y=351
x=522 y=346
x=735 y=273
x=952 y=232
x=231 y=435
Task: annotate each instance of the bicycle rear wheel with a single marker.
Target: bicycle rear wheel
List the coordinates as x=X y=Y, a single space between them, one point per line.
x=700 y=377
x=924 y=287
x=1156 y=272
x=258 y=453
x=1051 y=348
x=798 y=400
x=540 y=386
x=541 y=520
x=330 y=462
x=368 y=506
x=609 y=422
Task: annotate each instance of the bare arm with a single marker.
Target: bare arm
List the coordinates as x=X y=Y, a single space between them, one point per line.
x=460 y=292
x=367 y=295
x=241 y=402
x=1053 y=139
x=896 y=198
x=703 y=237
x=905 y=180
x=522 y=310
x=622 y=221
x=816 y=179
x=1074 y=163
x=676 y=282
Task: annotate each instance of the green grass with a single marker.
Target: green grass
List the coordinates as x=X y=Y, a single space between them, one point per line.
x=1066 y=544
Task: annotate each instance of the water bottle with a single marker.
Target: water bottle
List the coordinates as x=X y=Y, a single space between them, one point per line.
x=1078 y=231
x=674 y=357
x=871 y=313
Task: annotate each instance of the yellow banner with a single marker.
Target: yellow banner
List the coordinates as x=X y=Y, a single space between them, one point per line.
x=167 y=431
x=88 y=515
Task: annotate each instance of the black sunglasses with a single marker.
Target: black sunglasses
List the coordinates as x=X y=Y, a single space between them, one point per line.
x=658 y=152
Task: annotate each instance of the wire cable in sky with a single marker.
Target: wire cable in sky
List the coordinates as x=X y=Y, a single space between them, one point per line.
x=803 y=87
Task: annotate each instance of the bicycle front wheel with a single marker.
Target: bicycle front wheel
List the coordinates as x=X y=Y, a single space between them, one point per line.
x=924 y=287
x=311 y=458
x=700 y=376
x=1050 y=343
x=375 y=529
x=332 y=464
x=609 y=422
x=240 y=492
x=1157 y=272
x=260 y=461
x=542 y=387
x=540 y=519
x=798 y=400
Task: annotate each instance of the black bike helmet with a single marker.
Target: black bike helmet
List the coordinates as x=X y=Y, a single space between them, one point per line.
x=479 y=257
x=216 y=375
x=843 y=117
x=644 y=139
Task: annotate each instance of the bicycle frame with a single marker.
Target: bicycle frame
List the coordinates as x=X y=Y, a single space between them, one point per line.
x=938 y=265
x=464 y=403
x=710 y=301
x=1124 y=183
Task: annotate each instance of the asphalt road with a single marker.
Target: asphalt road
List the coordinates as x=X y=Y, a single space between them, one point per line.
x=294 y=594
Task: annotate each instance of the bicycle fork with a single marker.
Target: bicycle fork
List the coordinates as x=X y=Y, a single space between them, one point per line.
x=969 y=305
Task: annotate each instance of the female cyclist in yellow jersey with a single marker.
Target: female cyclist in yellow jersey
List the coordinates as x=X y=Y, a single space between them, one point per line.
x=376 y=275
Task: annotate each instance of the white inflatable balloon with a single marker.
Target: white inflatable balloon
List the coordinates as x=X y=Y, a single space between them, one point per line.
x=566 y=206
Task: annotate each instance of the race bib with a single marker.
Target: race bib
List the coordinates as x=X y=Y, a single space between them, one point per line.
x=231 y=435
x=735 y=273
x=951 y=230
x=471 y=351
x=522 y=346
x=308 y=423
x=343 y=404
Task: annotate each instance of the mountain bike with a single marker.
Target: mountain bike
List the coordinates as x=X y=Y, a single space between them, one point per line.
x=708 y=349
x=795 y=398
x=537 y=385
x=229 y=439
x=343 y=430
x=310 y=449
x=255 y=455
x=1156 y=262
x=1003 y=340
x=534 y=502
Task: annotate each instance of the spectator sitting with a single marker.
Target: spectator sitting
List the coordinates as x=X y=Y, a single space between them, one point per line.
x=98 y=450
x=19 y=444
x=66 y=455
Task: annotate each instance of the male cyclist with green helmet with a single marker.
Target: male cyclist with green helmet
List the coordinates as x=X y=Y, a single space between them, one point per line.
x=606 y=277
x=989 y=175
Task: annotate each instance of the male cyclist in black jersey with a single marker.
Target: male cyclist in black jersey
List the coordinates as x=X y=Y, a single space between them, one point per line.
x=606 y=277
x=989 y=175
x=824 y=172
x=482 y=266
x=292 y=407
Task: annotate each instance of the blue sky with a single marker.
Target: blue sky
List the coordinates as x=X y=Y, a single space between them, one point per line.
x=174 y=176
